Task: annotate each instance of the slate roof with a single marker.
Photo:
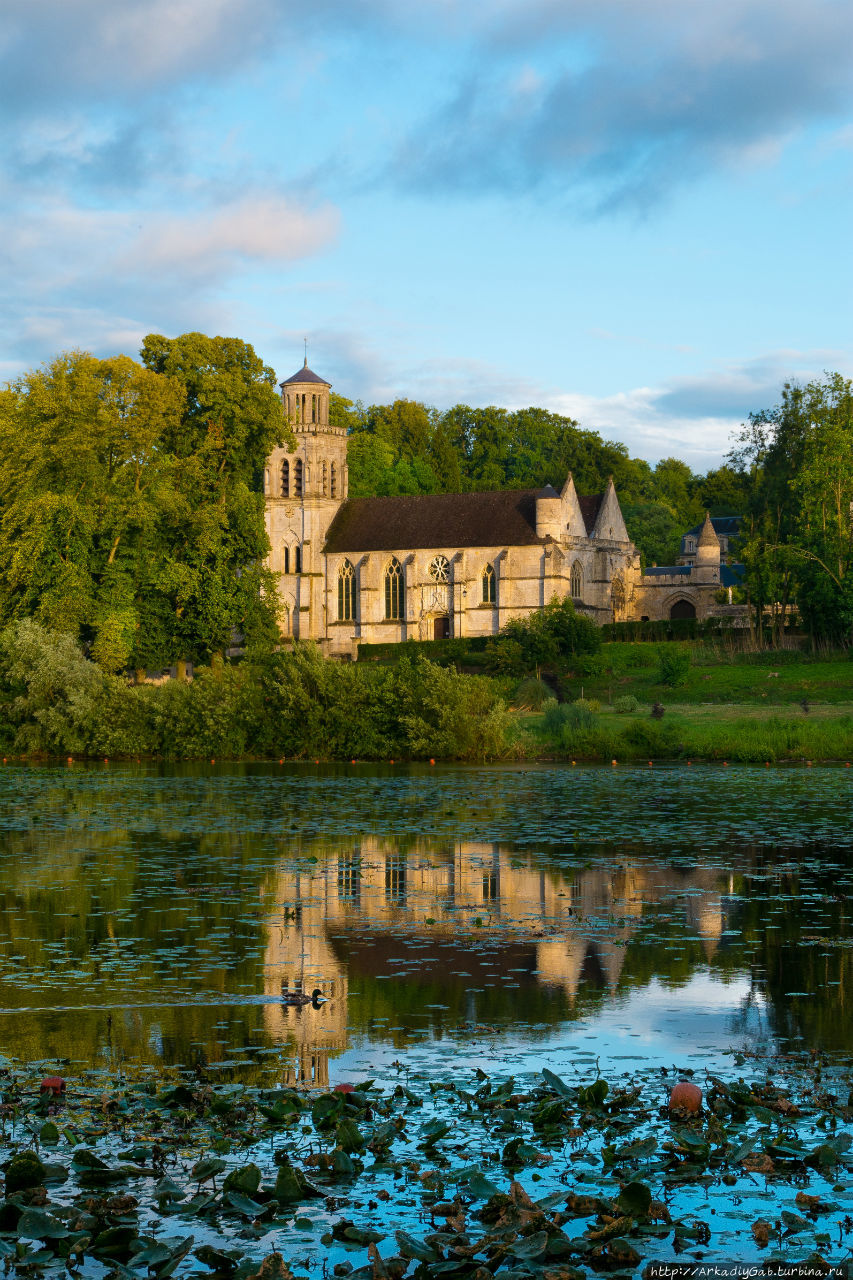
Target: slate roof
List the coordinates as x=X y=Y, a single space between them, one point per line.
x=305 y=375
x=504 y=517
x=728 y=526
x=590 y=508
x=668 y=571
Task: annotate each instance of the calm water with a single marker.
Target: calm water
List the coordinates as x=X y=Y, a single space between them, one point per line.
x=513 y=917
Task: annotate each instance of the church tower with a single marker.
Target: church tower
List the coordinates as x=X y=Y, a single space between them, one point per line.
x=304 y=488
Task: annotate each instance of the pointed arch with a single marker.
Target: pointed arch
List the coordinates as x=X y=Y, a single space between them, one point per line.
x=617 y=598
x=333 y=480
x=576 y=581
x=346 y=593
x=298 y=479
x=285 y=478
x=285 y=559
x=394 y=591
x=324 y=478
x=489 y=585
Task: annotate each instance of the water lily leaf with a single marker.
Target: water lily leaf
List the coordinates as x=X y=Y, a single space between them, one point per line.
x=559 y=1086
x=794 y=1222
x=35 y=1224
x=635 y=1199
x=218 y=1259
x=207 y=1168
x=433 y=1130
x=166 y=1189
x=480 y=1186
x=178 y=1253
x=593 y=1095
x=54 y=1174
x=348 y=1136
x=245 y=1180
x=25 y=1170
x=48 y=1134
x=530 y=1246
x=326 y=1110
x=243 y=1204
x=411 y=1248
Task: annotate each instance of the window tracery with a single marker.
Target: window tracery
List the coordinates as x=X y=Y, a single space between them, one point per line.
x=489 y=585
x=576 y=581
x=346 y=593
x=394 y=592
x=439 y=569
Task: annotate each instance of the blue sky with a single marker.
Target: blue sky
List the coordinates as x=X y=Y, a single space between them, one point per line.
x=636 y=212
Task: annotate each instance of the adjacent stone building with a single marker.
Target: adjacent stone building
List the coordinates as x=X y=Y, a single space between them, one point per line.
x=459 y=564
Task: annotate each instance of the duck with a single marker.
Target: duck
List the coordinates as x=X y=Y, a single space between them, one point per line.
x=297 y=999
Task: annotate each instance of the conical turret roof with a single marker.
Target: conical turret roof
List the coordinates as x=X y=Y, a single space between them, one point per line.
x=707 y=534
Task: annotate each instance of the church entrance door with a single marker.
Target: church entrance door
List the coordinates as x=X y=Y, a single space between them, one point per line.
x=441 y=628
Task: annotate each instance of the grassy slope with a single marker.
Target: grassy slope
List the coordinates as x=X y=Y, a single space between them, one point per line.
x=730 y=707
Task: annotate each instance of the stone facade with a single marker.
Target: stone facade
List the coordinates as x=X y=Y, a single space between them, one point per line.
x=434 y=566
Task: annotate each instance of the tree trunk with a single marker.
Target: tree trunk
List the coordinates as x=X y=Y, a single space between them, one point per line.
x=181 y=669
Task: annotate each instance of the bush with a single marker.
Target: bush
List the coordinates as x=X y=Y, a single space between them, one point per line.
x=626 y=704
x=531 y=694
x=587 y=704
x=674 y=666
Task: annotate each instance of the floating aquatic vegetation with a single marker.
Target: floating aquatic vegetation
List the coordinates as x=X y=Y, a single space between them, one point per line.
x=534 y=1178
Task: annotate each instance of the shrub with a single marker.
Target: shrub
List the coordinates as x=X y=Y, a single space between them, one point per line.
x=626 y=704
x=591 y=705
x=531 y=694
x=674 y=665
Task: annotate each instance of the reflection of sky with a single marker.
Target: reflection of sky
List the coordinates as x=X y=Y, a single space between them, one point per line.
x=656 y=1026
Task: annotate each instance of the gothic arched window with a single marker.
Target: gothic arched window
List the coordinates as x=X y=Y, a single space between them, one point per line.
x=297 y=558
x=285 y=559
x=298 y=487
x=394 y=593
x=323 y=481
x=489 y=585
x=346 y=593
x=333 y=478
x=577 y=581
x=285 y=479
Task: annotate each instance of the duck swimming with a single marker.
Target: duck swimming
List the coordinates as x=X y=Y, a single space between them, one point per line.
x=297 y=999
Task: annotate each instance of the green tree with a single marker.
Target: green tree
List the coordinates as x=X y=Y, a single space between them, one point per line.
x=798 y=541
x=84 y=479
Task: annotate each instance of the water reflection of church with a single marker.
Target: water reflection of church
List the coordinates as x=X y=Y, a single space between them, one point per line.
x=567 y=928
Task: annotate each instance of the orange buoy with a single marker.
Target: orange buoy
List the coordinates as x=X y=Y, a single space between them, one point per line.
x=431 y=760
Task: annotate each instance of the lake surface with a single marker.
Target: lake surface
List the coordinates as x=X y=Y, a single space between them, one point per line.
x=497 y=916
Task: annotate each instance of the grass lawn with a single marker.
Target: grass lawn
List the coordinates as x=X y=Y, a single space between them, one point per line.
x=771 y=679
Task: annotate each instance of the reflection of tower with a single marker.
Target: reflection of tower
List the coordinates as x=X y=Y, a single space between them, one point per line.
x=298 y=959
x=706 y=914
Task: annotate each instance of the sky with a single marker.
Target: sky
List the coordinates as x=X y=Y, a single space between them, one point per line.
x=634 y=212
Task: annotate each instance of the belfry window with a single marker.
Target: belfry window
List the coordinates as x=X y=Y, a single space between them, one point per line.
x=297 y=558
x=333 y=477
x=576 y=581
x=346 y=593
x=285 y=559
x=489 y=585
x=285 y=479
x=313 y=408
x=298 y=487
x=323 y=479
x=394 y=591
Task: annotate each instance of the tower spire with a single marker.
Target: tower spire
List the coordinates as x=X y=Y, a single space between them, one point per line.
x=305 y=365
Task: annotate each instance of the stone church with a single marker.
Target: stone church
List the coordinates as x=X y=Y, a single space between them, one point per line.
x=428 y=567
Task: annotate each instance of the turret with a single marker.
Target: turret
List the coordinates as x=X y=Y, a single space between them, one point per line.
x=706 y=567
